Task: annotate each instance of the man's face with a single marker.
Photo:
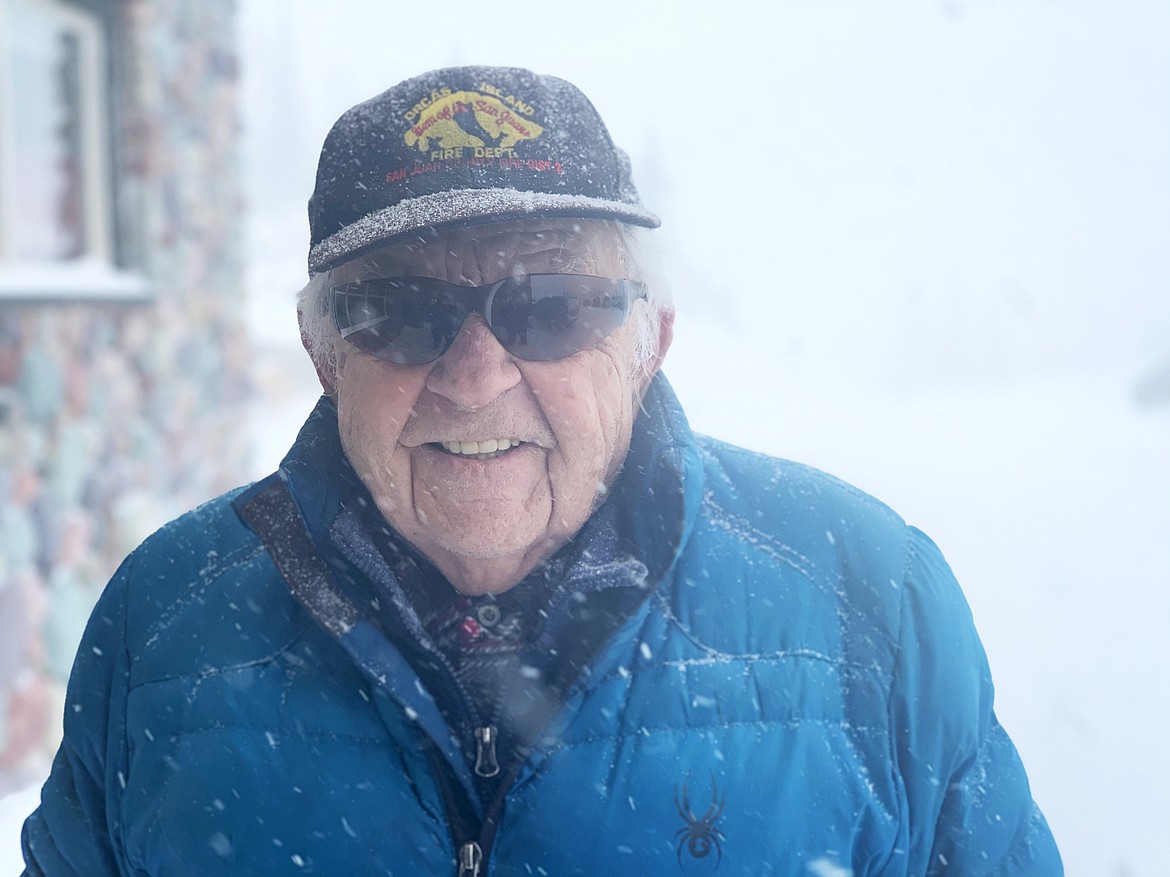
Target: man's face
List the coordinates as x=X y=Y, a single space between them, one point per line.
x=486 y=519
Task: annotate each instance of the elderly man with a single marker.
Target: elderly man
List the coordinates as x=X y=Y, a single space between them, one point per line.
x=500 y=611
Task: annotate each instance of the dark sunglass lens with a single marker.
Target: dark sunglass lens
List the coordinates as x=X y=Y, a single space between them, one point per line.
x=563 y=314
x=405 y=320
x=511 y=315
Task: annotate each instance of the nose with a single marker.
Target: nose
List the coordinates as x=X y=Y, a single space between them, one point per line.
x=475 y=370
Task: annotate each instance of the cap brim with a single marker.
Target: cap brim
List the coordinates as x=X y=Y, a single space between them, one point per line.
x=444 y=209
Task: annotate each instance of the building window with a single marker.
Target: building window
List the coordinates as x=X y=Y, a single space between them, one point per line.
x=56 y=211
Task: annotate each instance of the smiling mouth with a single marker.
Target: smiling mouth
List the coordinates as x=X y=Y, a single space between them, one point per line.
x=485 y=450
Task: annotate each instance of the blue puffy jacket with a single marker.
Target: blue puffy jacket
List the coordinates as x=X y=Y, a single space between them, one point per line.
x=780 y=677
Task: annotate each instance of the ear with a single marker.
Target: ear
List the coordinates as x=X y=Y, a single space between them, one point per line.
x=665 y=336
x=323 y=363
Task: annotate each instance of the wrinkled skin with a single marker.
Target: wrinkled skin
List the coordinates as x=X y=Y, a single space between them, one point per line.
x=487 y=523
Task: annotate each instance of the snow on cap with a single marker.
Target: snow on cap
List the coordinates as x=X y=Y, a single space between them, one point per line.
x=460 y=146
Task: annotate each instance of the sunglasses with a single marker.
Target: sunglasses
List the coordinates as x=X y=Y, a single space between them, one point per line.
x=537 y=317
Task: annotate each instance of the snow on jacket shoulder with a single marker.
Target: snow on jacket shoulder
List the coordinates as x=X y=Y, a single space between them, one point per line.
x=802 y=692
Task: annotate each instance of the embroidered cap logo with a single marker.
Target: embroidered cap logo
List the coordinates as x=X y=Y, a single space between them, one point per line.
x=471 y=124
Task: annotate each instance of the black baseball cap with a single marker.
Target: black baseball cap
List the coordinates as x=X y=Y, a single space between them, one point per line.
x=460 y=146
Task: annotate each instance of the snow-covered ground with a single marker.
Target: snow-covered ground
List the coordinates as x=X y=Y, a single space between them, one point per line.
x=921 y=245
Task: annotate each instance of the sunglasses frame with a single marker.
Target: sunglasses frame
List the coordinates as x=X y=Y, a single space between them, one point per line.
x=476 y=300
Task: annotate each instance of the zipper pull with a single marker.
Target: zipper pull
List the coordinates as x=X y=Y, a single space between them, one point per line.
x=470 y=858
x=485 y=752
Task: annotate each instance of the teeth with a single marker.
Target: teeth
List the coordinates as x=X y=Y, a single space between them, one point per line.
x=490 y=446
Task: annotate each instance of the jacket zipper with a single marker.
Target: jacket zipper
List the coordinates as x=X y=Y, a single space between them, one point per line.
x=491 y=819
x=461 y=817
x=470 y=859
x=472 y=856
x=473 y=838
x=486 y=764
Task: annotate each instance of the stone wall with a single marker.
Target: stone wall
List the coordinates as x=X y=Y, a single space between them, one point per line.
x=116 y=416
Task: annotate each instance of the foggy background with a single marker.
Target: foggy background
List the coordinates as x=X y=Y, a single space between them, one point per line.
x=922 y=245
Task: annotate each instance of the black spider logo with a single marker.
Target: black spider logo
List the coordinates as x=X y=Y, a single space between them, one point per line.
x=700 y=835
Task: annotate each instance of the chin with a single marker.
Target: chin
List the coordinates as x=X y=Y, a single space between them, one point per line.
x=474 y=541
x=485 y=548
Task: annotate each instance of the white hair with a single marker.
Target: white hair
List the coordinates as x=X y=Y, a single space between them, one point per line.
x=639 y=253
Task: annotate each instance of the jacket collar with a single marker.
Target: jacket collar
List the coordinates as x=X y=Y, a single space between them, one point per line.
x=660 y=488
